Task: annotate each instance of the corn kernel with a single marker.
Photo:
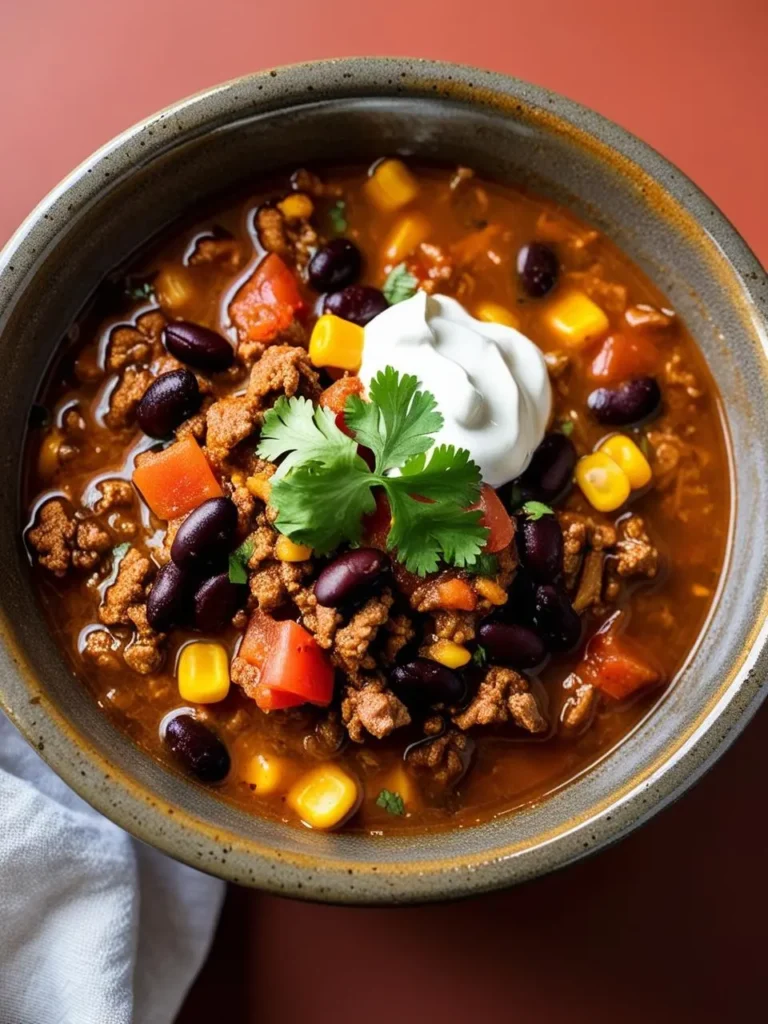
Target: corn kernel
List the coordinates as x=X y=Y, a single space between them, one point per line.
x=409 y=232
x=604 y=483
x=238 y=478
x=48 y=458
x=173 y=288
x=490 y=590
x=264 y=771
x=625 y=453
x=495 y=313
x=296 y=206
x=336 y=342
x=324 y=797
x=447 y=653
x=391 y=185
x=287 y=551
x=576 y=319
x=203 y=673
x=260 y=486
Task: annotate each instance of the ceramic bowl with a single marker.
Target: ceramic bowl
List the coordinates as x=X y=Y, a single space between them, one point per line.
x=510 y=131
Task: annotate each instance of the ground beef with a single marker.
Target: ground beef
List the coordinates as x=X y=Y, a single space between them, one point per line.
x=649 y=317
x=635 y=555
x=557 y=363
x=91 y=542
x=322 y=622
x=446 y=758
x=372 y=709
x=579 y=533
x=53 y=537
x=126 y=396
x=274 y=583
x=270 y=225
x=263 y=539
x=460 y=627
x=114 y=494
x=225 y=252
x=144 y=653
x=580 y=704
x=101 y=647
x=245 y=676
x=677 y=375
x=228 y=422
x=400 y=631
x=128 y=589
x=350 y=644
x=282 y=370
x=503 y=694
x=245 y=503
x=139 y=345
x=195 y=427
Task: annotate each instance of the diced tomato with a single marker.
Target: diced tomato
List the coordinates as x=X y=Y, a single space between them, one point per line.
x=613 y=665
x=275 y=700
x=294 y=669
x=495 y=518
x=267 y=302
x=456 y=593
x=377 y=525
x=176 y=480
x=621 y=356
x=335 y=397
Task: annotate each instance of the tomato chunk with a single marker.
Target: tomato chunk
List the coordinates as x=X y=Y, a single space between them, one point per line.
x=175 y=481
x=456 y=594
x=613 y=665
x=268 y=301
x=495 y=518
x=621 y=357
x=294 y=669
x=335 y=397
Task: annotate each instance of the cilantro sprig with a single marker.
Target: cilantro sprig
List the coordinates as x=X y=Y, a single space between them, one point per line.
x=392 y=802
x=399 y=285
x=535 y=510
x=238 y=562
x=323 y=489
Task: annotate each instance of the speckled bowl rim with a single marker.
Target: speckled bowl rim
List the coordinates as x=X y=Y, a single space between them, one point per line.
x=179 y=834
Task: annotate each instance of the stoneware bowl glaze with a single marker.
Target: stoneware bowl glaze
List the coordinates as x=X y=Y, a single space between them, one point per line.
x=508 y=130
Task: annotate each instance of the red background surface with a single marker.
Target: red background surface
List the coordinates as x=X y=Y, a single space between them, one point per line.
x=669 y=925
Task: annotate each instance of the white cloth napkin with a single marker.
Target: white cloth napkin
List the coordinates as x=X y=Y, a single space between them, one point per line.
x=95 y=928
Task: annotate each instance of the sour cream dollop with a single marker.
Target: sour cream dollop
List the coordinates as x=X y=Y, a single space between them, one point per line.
x=489 y=380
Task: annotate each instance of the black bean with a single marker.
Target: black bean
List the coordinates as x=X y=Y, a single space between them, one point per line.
x=335 y=265
x=631 y=402
x=540 y=546
x=512 y=644
x=538 y=269
x=206 y=535
x=197 y=748
x=556 y=620
x=169 y=600
x=198 y=346
x=422 y=683
x=358 y=303
x=550 y=470
x=216 y=601
x=350 y=577
x=168 y=401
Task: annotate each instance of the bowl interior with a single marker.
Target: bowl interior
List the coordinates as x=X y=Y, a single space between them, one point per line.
x=352 y=111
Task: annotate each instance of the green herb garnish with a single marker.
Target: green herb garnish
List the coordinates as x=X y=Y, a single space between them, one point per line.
x=238 y=562
x=566 y=427
x=484 y=565
x=140 y=291
x=338 y=216
x=534 y=510
x=400 y=284
x=480 y=656
x=391 y=802
x=323 y=489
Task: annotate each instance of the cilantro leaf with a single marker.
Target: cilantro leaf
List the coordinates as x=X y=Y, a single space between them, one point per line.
x=392 y=803
x=337 y=216
x=423 y=533
x=322 y=505
x=566 y=427
x=480 y=656
x=303 y=433
x=449 y=475
x=399 y=285
x=534 y=510
x=397 y=421
x=137 y=292
x=238 y=562
x=484 y=565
